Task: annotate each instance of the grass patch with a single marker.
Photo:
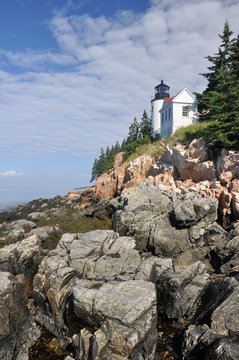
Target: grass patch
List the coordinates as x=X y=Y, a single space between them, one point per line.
x=72 y=222
x=187 y=134
x=142 y=149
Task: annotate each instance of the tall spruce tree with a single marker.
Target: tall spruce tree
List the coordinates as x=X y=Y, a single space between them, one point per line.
x=214 y=98
x=145 y=125
x=94 y=171
x=133 y=131
x=221 y=97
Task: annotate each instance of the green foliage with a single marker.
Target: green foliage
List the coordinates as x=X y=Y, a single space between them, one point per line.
x=220 y=100
x=145 y=125
x=132 y=147
x=134 y=132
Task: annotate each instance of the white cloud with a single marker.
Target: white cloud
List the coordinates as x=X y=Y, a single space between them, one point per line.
x=110 y=67
x=11 y=173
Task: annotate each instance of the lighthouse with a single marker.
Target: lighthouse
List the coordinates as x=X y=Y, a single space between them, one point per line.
x=161 y=92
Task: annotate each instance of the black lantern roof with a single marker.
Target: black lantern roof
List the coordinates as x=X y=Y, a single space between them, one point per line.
x=161 y=91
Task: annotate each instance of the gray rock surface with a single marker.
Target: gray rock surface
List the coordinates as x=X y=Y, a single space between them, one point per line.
x=22 y=257
x=227 y=255
x=203 y=343
x=17 y=331
x=225 y=319
x=168 y=223
x=111 y=286
x=16 y=230
x=179 y=290
x=44 y=232
x=37 y=215
x=124 y=311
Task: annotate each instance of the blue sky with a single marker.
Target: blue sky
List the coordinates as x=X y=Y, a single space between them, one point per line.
x=73 y=74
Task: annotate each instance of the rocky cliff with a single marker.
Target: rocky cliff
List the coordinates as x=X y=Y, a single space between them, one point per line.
x=162 y=284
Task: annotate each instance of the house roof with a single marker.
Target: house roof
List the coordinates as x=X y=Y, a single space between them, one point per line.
x=168 y=99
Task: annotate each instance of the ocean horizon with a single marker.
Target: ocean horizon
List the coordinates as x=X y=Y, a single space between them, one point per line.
x=9 y=200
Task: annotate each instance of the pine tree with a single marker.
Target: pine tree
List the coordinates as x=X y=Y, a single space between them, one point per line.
x=221 y=97
x=123 y=145
x=101 y=162
x=94 y=171
x=214 y=98
x=108 y=154
x=133 y=131
x=117 y=147
x=145 y=125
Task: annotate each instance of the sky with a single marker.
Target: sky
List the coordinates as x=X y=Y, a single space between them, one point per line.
x=74 y=74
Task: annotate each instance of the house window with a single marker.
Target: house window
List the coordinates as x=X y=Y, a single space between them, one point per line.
x=169 y=113
x=162 y=117
x=185 y=110
x=166 y=115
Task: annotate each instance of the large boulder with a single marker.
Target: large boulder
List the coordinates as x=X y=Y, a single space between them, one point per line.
x=22 y=257
x=16 y=230
x=103 y=276
x=197 y=150
x=124 y=311
x=162 y=221
x=178 y=290
x=188 y=168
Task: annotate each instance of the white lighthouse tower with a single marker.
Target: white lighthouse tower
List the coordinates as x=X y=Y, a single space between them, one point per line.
x=161 y=92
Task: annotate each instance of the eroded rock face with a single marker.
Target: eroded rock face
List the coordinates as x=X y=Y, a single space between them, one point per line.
x=178 y=290
x=109 y=185
x=163 y=221
x=181 y=170
x=137 y=171
x=22 y=257
x=17 y=332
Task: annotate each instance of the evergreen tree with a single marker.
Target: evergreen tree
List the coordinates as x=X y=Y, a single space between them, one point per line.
x=145 y=125
x=94 y=171
x=101 y=162
x=117 y=147
x=123 y=145
x=108 y=154
x=221 y=97
x=133 y=131
x=214 y=98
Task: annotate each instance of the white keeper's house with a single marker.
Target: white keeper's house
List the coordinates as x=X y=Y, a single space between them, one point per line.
x=170 y=113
